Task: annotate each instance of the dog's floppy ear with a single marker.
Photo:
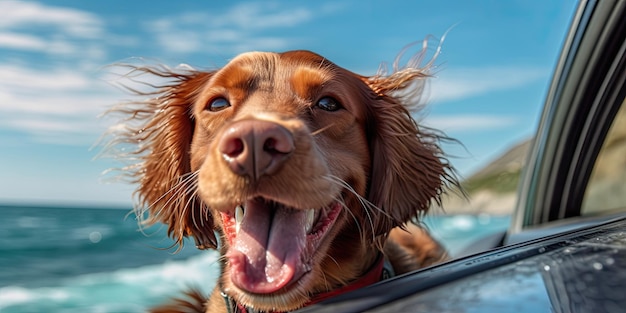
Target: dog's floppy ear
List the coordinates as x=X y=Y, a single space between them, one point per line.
x=409 y=170
x=160 y=129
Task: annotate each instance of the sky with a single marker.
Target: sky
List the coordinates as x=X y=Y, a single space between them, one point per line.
x=56 y=79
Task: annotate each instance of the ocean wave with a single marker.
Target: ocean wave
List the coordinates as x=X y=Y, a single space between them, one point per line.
x=11 y=296
x=124 y=290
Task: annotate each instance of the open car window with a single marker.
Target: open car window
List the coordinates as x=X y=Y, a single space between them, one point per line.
x=606 y=190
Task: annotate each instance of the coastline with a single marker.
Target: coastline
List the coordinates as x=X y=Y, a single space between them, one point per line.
x=478 y=203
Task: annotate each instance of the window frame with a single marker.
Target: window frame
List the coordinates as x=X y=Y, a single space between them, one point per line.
x=587 y=90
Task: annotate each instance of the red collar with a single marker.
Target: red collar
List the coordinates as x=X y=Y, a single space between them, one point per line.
x=375 y=274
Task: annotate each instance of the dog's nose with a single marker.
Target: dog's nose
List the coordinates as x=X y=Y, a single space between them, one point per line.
x=255 y=148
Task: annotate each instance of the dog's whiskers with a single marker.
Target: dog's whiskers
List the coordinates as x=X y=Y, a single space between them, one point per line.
x=323 y=274
x=356 y=221
x=174 y=189
x=173 y=196
x=191 y=202
x=222 y=258
x=176 y=193
x=362 y=201
x=365 y=204
x=317 y=132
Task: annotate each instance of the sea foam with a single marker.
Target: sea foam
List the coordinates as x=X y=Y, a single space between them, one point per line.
x=124 y=290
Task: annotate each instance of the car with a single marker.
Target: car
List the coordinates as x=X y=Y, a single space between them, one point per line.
x=565 y=250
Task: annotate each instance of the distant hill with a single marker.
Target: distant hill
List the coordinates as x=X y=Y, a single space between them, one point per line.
x=492 y=189
x=502 y=174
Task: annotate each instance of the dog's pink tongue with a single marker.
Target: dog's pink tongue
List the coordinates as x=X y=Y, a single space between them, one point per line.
x=266 y=253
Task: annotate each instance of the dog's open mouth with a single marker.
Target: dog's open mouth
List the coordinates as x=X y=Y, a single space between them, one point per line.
x=272 y=245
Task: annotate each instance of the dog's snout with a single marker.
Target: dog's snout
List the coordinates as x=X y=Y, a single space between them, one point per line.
x=255 y=148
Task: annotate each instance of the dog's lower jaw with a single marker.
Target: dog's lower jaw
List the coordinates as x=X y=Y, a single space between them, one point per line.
x=334 y=280
x=289 y=298
x=272 y=258
x=296 y=299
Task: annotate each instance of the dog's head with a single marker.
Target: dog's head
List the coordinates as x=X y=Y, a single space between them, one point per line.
x=299 y=166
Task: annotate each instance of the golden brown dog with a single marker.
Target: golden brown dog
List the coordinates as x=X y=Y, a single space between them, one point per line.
x=299 y=167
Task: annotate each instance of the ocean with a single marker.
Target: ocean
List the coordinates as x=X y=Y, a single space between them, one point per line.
x=59 y=259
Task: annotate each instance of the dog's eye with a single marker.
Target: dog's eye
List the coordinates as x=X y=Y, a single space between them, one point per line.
x=328 y=104
x=217 y=104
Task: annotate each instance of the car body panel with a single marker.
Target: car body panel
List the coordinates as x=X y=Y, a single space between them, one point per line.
x=578 y=271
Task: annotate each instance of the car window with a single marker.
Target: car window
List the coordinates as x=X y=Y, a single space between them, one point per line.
x=606 y=190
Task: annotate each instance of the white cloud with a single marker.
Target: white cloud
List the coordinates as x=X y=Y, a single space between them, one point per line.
x=240 y=28
x=55 y=46
x=83 y=131
x=73 y=130
x=56 y=106
x=38 y=124
x=180 y=41
x=469 y=122
x=251 y=15
x=455 y=84
x=50 y=30
x=53 y=93
x=15 y=78
x=470 y=82
x=262 y=16
x=15 y=14
x=21 y=41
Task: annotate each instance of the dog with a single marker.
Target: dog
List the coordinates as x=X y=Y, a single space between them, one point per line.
x=307 y=178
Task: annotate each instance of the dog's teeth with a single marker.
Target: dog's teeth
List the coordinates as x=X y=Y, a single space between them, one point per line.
x=310 y=219
x=238 y=217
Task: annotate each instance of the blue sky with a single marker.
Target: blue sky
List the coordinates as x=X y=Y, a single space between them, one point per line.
x=492 y=73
